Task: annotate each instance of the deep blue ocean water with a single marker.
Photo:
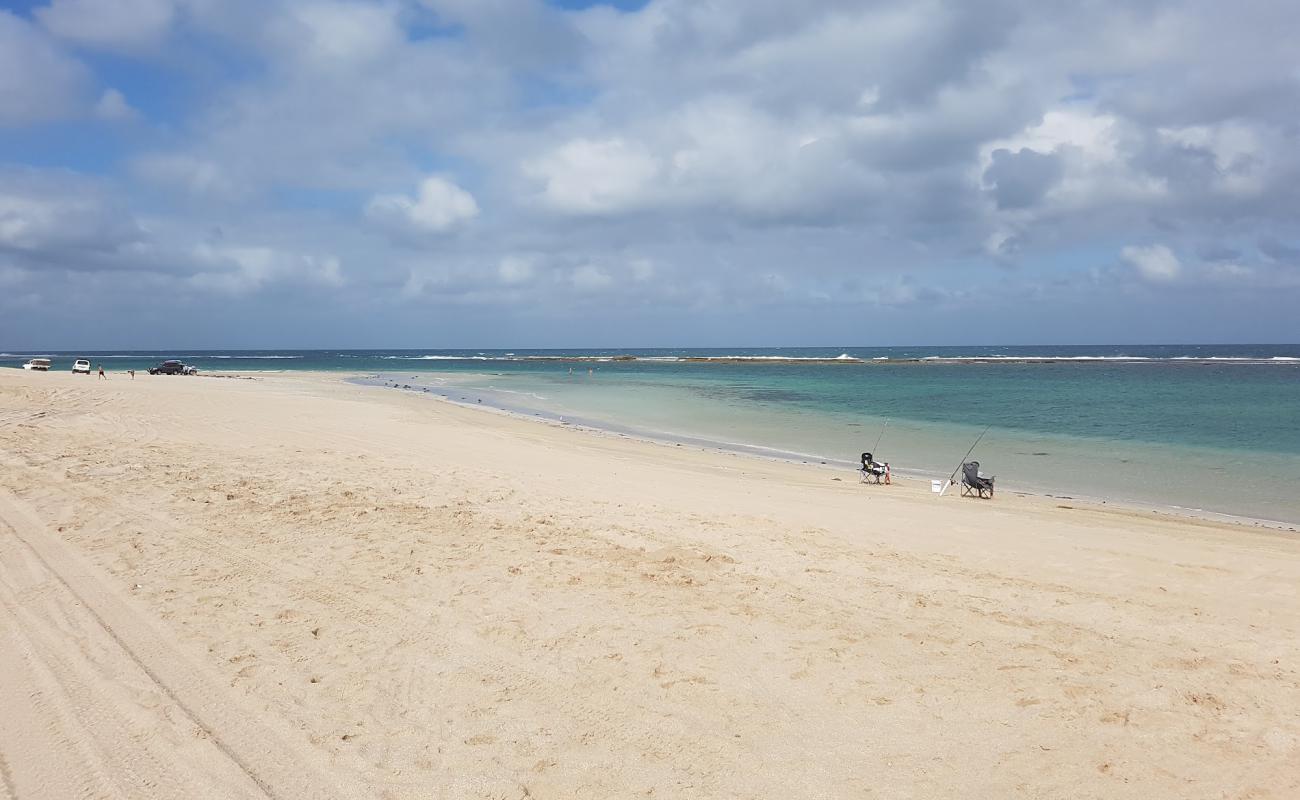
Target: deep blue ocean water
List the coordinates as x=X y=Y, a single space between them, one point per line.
x=1212 y=427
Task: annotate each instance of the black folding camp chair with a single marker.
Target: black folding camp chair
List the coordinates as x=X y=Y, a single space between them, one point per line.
x=871 y=471
x=972 y=483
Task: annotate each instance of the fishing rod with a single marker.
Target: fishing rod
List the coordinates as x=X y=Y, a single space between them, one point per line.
x=876 y=447
x=963 y=460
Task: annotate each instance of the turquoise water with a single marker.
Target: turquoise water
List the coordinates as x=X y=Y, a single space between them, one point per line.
x=1214 y=428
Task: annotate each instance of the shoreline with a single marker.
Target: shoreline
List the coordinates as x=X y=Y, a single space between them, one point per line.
x=366 y=378
x=811 y=460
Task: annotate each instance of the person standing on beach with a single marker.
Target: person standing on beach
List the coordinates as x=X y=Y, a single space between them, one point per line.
x=102 y=376
x=131 y=372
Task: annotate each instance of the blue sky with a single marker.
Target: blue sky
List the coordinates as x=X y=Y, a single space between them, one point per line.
x=478 y=173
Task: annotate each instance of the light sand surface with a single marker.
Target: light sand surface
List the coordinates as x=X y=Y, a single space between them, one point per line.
x=298 y=587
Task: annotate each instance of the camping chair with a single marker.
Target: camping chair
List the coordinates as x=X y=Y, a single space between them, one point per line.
x=972 y=483
x=873 y=472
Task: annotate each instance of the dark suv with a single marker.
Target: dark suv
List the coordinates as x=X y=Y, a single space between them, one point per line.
x=168 y=368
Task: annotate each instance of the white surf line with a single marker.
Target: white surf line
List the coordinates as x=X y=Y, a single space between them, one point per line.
x=275 y=768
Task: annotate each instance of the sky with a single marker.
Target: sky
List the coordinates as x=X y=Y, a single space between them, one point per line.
x=516 y=173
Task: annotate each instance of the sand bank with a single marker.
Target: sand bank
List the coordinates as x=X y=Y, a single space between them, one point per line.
x=294 y=586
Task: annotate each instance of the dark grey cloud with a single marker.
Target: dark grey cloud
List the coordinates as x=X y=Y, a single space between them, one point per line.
x=1280 y=251
x=62 y=218
x=1022 y=178
x=1218 y=252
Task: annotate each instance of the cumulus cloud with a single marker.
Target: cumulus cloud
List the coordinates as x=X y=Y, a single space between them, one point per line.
x=239 y=269
x=61 y=218
x=1154 y=263
x=438 y=207
x=1021 y=179
x=339 y=34
x=185 y=173
x=57 y=224
x=717 y=156
x=38 y=81
x=112 y=106
x=528 y=34
x=109 y=24
x=717 y=153
x=587 y=176
x=515 y=270
x=590 y=277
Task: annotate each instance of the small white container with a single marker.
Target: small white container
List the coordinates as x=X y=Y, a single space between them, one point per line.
x=936 y=486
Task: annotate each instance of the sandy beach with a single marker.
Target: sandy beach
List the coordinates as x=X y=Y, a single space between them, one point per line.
x=293 y=586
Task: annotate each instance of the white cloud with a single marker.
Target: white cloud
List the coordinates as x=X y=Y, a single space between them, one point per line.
x=109 y=24
x=25 y=222
x=726 y=153
x=38 y=81
x=1230 y=272
x=1155 y=263
x=339 y=34
x=112 y=106
x=590 y=278
x=54 y=216
x=515 y=270
x=589 y=176
x=1094 y=135
x=1000 y=242
x=527 y=33
x=1241 y=159
x=196 y=176
x=440 y=206
x=237 y=269
x=1094 y=157
x=717 y=153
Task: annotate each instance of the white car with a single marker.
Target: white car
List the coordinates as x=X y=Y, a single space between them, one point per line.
x=81 y=365
x=38 y=365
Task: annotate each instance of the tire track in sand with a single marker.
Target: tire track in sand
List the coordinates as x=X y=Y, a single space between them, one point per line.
x=238 y=751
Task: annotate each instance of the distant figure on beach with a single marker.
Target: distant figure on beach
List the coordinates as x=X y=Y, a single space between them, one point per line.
x=102 y=376
x=590 y=372
x=131 y=372
x=570 y=370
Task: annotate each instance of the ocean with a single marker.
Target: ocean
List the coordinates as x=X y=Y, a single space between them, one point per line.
x=1209 y=428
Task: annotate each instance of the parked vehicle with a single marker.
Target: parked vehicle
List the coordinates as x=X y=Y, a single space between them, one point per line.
x=38 y=364
x=169 y=367
x=81 y=365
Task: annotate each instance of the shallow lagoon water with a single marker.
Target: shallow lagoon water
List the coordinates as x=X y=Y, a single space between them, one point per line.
x=1214 y=428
